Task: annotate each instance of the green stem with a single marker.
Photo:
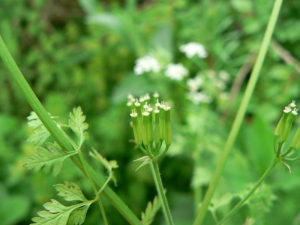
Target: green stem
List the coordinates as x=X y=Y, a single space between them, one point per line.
x=241 y=112
x=258 y=183
x=197 y=198
x=83 y=162
x=57 y=134
x=161 y=192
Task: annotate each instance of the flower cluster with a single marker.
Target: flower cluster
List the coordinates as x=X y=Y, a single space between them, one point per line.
x=146 y=64
x=176 y=71
x=193 y=49
x=151 y=126
x=282 y=132
x=285 y=124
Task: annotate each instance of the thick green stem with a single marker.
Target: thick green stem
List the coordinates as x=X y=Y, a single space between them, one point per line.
x=161 y=192
x=258 y=183
x=241 y=112
x=58 y=135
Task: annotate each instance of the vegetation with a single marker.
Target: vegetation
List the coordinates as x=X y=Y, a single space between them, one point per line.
x=225 y=79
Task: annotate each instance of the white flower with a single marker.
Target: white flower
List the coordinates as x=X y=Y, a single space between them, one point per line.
x=197 y=97
x=194 y=84
x=146 y=64
x=176 y=71
x=193 y=48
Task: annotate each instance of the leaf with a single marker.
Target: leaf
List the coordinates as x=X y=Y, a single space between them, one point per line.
x=53 y=156
x=145 y=159
x=70 y=191
x=76 y=123
x=41 y=134
x=148 y=216
x=59 y=214
x=109 y=165
x=78 y=216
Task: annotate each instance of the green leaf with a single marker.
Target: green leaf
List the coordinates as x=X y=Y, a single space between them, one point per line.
x=109 y=165
x=150 y=212
x=76 y=123
x=41 y=134
x=78 y=216
x=53 y=156
x=70 y=191
x=145 y=160
x=59 y=214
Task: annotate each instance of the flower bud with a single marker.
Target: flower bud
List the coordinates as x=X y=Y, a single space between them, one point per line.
x=168 y=129
x=136 y=128
x=296 y=140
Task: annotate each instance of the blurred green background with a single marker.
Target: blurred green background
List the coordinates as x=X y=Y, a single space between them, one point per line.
x=82 y=53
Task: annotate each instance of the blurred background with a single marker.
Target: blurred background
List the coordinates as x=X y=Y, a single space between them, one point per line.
x=84 y=53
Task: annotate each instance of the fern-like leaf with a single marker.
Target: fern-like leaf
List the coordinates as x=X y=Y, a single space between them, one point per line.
x=70 y=191
x=58 y=214
x=52 y=156
x=109 y=165
x=77 y=124
x=77 y=217
x=41 y=134
x=151 y=209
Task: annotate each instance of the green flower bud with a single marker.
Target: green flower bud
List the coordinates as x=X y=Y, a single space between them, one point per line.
x=136 y=128
x=288 y=125
x=296 y=140
x=162 y=122
x=157 y=122
x=146 y=131
x=168 y=129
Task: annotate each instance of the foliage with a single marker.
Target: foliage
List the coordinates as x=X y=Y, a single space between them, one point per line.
x=83 y=53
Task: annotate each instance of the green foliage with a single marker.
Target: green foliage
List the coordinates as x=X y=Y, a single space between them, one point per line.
x=70 y=191
x=41 y=134
x=59 y=214
x=78 y=125
x=151 y=210
x=83 y=53
x=52 y=156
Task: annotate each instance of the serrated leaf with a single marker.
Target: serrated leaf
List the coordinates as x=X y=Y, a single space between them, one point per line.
x=70 y=191
x=77 y=124
x=52 y=157
x=39 y=137
x=58 y=214
x=151 y=209
x=41 y=134
x=109 y=165
x=77 y=217
x=145 y=160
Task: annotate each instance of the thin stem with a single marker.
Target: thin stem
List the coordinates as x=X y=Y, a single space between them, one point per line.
x=161 y=192
x=241 y=112
x=258 y=183
x=83 y=162
x=58 y=135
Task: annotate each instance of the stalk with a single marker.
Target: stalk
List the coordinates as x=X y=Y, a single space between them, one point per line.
x=161 y=192
x=258 y=183
x=58 y=135
x=241 y=112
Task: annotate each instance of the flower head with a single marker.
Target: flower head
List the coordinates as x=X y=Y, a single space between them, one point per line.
x=194 y=84
x=146 y=64
x=198 y=97
x=191 y=49
x=176 y=71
